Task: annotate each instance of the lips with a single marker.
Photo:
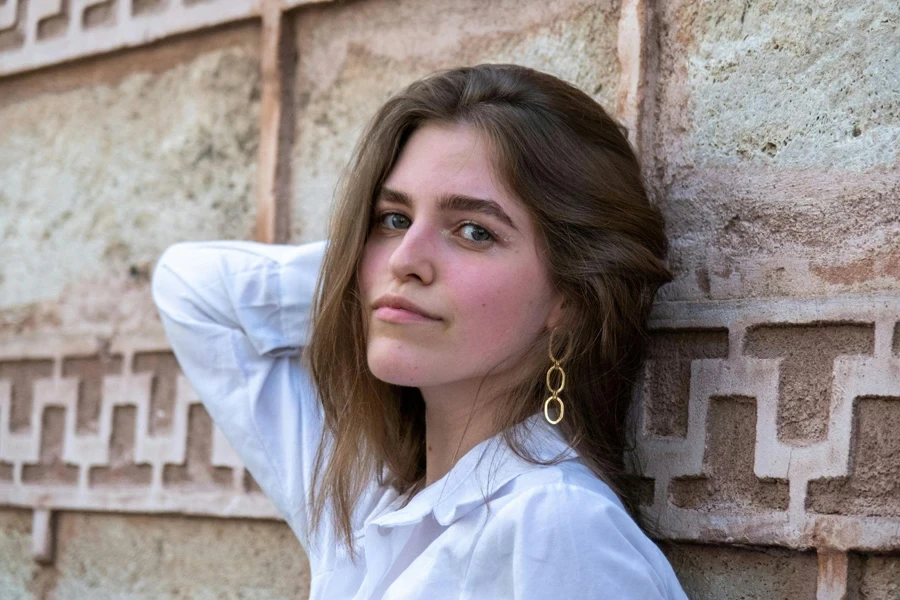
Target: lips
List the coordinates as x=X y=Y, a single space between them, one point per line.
x=399 y=303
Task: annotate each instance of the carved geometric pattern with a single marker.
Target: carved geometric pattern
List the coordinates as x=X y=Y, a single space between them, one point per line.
x=728 y=481
x=807 y=354
x=118 y=428
x=37 y=33
x=788 y=437
x=723 y=475
x=872 y=485
x=670 y=387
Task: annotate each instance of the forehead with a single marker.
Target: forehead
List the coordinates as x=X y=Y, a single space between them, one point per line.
x=440 y=159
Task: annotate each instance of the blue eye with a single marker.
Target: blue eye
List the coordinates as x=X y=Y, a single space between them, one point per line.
x=477 y=233
x=392 y=220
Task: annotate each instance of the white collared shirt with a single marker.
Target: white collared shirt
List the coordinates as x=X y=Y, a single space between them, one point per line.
x=237 y=313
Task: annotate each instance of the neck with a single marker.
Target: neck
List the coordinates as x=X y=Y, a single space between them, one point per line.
x=455 y=422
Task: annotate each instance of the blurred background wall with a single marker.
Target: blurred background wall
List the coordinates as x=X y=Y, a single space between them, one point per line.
x=769 y=133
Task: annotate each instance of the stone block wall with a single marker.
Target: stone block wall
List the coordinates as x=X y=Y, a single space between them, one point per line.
x=769 y=408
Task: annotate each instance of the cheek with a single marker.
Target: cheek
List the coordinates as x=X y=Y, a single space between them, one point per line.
x=499 y=307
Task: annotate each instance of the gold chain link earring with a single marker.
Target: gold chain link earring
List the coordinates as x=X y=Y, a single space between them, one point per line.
x=554 y=392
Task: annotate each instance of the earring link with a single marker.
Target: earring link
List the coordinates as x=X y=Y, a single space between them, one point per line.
x=555 y=367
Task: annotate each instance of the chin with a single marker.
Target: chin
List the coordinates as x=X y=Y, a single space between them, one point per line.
x=393 y=362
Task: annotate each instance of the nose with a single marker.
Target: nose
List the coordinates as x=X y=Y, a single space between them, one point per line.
x=413 y=257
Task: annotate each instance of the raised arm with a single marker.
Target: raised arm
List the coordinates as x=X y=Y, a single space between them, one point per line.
x=236 y=314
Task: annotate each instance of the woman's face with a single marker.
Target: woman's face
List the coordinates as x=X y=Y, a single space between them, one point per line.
x=450 y=241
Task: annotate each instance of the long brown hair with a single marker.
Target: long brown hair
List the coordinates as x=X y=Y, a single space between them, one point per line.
x=604 y=246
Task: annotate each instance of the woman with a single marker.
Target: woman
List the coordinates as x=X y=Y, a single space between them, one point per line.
x=455 y=427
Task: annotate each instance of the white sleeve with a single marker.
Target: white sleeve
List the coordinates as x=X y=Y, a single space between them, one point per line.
x=236 y=314
x=562 y=541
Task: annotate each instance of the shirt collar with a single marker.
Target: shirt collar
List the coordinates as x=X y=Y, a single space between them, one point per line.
x=478 y=475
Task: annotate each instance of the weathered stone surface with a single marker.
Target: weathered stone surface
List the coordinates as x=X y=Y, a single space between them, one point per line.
x=873 y=486
x=723 y=572
x=773 y=146
x=110 y=162
x=874 y=577
x=22 y=374
x=669 y=375
x=17 y=569
x=354 y=56
x=728 y=482
x=139 y=557
x=807 y=356
x=52 y=468
x=197 y=472
x=121 y=469
x=90 y=372
x=165 y=371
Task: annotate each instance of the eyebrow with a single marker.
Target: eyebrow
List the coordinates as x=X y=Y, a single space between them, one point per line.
x=453 y=202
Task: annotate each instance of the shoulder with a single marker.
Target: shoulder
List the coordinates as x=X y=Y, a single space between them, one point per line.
x=557 y=497
x=562 y=532
x=567 y=482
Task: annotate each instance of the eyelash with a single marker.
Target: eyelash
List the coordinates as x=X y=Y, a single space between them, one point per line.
x=379 y=218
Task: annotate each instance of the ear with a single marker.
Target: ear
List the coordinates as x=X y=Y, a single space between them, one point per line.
x=557 y=309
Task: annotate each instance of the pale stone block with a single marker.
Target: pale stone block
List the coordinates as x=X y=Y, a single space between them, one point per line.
x=353 y=57
x=772 y=146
